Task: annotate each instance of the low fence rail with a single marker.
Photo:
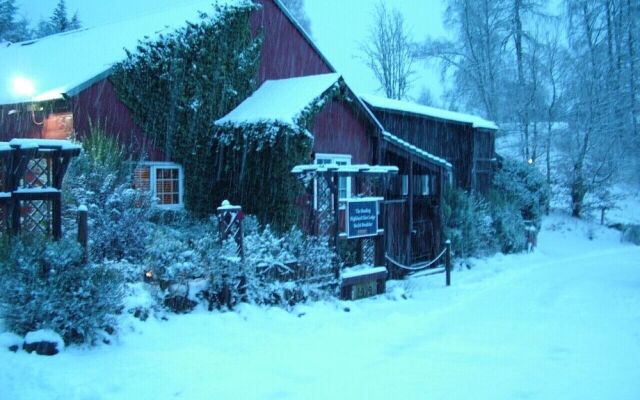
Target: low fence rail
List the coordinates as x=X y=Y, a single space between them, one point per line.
x=443 y=258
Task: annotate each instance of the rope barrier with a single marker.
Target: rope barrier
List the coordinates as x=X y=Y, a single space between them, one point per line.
x=416 y=267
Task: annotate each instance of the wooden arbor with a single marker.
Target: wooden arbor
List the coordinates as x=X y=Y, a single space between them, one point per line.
x=328 y=214
x=31 y=175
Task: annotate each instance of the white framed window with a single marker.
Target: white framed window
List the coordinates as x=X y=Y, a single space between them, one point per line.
x=344 y=182
x=165 y=182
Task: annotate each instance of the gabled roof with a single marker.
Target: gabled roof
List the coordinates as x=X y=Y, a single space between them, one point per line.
x=280 y=101
x=431 y=112
x=66 y=63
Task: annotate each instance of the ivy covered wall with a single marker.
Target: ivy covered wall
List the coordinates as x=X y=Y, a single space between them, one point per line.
x=176 y=88
x=178 y=84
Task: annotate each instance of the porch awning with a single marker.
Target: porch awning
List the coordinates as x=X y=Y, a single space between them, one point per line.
x=393 y=139
x=345 y=169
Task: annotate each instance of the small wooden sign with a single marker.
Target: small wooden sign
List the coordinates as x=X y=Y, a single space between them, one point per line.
x=362 y=217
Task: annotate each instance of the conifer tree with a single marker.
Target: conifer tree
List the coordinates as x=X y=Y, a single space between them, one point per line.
x=59 y=21
x=11 y=28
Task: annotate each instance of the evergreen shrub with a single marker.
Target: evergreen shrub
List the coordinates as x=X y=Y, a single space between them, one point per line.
x=278 y=269
x=45 y=285
x=523 y=186
x=468 y=224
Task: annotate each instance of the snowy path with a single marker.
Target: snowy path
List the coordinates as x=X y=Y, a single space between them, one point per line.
x=561 y=323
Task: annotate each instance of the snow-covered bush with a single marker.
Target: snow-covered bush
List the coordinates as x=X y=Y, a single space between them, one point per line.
x=287 y=269
x=45 y=285
x=190 y=265
x=508 y=224
x=183 y=250
x=119 y=228
x=180 y=253
x=118 y=215
x=468 y=224
x=523 y=186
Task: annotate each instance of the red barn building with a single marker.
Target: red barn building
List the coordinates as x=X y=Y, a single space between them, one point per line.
x=60 y=84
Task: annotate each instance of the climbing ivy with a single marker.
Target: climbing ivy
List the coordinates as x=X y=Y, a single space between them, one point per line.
x=259 y=157
x=176 y=87
x=178 y=84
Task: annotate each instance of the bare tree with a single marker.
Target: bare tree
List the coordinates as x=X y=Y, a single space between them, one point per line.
x=389 y=52
x=474 y=57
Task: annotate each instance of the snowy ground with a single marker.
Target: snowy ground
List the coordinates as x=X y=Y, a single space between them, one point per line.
x=563 y=322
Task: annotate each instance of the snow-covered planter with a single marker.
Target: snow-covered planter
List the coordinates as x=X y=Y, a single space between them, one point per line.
x=44 y=342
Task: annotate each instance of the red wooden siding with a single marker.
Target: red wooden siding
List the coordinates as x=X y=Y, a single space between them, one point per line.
x=100 y=106
x=338 y=129
x=285 y=52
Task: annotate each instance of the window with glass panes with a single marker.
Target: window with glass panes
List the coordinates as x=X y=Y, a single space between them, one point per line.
x=164 y=180
x=168 y=186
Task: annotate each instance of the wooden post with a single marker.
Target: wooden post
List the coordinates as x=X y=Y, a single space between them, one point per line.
x=336 y=221
x=15 y=216
x=448 y=262
x=230 y=224
x=56 y=216
x=83 y=229
x=336 y=208
x=410 y=203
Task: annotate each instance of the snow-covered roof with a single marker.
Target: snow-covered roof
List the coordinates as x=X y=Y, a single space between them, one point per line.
x=4 y=146
x=345 y=169
x=415 y=150
x=413 y=108
x=281 y=100
x=46 y=68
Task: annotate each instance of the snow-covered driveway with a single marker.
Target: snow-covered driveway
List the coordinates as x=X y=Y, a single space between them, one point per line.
x=563 y=323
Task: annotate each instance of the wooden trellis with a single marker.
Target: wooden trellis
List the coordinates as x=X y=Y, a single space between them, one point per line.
x=369 y=180
x=31 y=174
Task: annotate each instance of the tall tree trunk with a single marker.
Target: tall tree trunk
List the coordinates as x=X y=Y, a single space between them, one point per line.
x=631 y=43
x=521 y=107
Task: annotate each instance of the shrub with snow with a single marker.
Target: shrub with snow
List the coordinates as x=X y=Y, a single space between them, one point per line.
x=118 y=215
x=523 y=186
x=287 y=269
x=508 y=224
x=45 y=285
x=190 y=264
x=468 y=224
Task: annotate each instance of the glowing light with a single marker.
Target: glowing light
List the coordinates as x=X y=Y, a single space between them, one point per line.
x=148 y=274
x=23 y=86
x=530 y=161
